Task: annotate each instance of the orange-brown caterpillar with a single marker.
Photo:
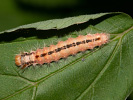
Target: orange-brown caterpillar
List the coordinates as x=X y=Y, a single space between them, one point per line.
x=62 y=50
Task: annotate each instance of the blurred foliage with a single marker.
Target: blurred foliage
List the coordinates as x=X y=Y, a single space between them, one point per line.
x=14 y=13
x=52 y=3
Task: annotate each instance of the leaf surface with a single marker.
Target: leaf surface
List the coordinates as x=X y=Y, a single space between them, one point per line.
x=104 y=73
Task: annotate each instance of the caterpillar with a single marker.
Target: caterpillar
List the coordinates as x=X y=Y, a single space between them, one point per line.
x=61 y=50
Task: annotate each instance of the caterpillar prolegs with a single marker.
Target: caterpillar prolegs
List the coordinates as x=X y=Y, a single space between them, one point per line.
x=61 y=50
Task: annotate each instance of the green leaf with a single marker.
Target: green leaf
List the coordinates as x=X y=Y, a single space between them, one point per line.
x=104 y=73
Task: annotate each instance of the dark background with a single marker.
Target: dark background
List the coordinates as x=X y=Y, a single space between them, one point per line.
x=14 y=13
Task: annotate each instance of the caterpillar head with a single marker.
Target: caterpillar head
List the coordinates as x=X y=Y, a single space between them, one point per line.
x=18 y=60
